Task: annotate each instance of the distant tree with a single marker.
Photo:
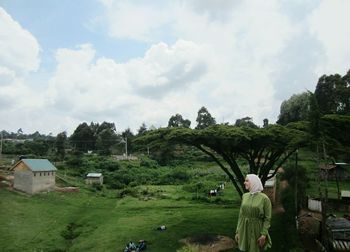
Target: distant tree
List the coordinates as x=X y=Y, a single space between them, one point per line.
x=336 y=131
x=265 y=122
x=36 y=147
x=296 y=108
x=20 y=133
x=246 y=122
x=178 y=121
x=263 y=149
x=204 y=119
x=83 y=138
x=142 y=129
x=333 y=94
x=36 y=135
x=60 y=144
x=105 y=125
x=105 y=140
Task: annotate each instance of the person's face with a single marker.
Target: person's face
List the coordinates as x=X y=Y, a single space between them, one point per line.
x=247 y=184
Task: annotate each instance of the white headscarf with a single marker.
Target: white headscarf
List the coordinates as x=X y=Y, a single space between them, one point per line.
x=255 y=183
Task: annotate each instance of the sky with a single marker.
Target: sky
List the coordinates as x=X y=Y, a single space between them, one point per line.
x=66 y=62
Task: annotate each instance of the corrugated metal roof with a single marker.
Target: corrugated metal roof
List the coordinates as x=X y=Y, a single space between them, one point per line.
x=94 y=175
x=39 y=165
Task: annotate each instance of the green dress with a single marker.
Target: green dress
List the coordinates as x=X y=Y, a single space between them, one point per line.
x=253 y=221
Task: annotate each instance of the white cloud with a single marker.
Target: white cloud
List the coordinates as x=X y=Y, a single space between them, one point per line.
x=135 y=21
x=99 y=89
x=19 y=50
x=330 y=24
x=237 y=58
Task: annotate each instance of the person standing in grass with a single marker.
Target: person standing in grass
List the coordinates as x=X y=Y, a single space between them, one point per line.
x=254 y=217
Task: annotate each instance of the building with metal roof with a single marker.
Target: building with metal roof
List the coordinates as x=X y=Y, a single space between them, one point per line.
x=34 y=175
x=94 y=178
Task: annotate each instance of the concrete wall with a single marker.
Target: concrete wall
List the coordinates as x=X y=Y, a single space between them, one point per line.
x=43 y=181
x=90 y=181
x=31 y=183
x=23 y=181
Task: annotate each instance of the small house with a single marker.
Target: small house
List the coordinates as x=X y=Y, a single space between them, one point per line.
x=94 y=178
x=335 y=171
x=34 y=175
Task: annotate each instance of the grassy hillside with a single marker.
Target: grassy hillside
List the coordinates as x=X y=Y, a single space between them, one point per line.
x=106 y=224
x=105 y=219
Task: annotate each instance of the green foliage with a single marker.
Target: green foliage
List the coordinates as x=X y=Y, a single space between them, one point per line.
x=332 y=94
x=178 y=121
x=204 y=118
x=293 y=174
x=142 y=129
x=60 y=144
x=296 y=108
x=71 y=231
x=247 y=122
x=83 y=138
x=262 y=148
x=337 y=127
x=75 y=160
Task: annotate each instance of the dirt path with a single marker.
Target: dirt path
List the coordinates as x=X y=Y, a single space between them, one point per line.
x=210 y=243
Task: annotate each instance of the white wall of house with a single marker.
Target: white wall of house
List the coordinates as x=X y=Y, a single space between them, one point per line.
x=94 y=180
x=23 y=181
x=43 y=181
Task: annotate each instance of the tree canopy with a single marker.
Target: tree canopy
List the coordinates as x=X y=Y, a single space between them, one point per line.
x=263 y=149
x=332 y=94
x=296 y=108
x=204 y=118
x=178 y=121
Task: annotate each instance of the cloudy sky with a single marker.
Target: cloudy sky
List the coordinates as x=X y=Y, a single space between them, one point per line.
x=65 y=62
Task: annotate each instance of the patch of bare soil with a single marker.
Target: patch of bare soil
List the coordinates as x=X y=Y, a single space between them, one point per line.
x=309 y=225
x=210 y=243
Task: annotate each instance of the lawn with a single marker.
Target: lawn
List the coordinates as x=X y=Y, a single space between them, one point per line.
x=102 y=222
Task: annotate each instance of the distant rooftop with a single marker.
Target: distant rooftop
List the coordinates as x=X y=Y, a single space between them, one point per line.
x=94 y=175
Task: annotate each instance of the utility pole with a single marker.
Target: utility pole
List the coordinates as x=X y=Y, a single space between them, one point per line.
x=1 y=145
x=126 y=147
x=296 y=183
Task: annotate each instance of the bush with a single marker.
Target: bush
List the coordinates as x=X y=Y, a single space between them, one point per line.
x=127 y=192
x=148 y=163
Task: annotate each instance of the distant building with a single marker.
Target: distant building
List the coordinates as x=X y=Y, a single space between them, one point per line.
x=34 y=175
x=94 y=178
x=345 y=196
x=335 y=171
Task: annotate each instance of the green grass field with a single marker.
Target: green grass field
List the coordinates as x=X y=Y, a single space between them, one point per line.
x=94 y=220
x=101 y=222
x=106 y=224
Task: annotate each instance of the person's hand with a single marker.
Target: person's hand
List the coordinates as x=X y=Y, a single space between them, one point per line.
x=261 y=240
x=236 y=238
